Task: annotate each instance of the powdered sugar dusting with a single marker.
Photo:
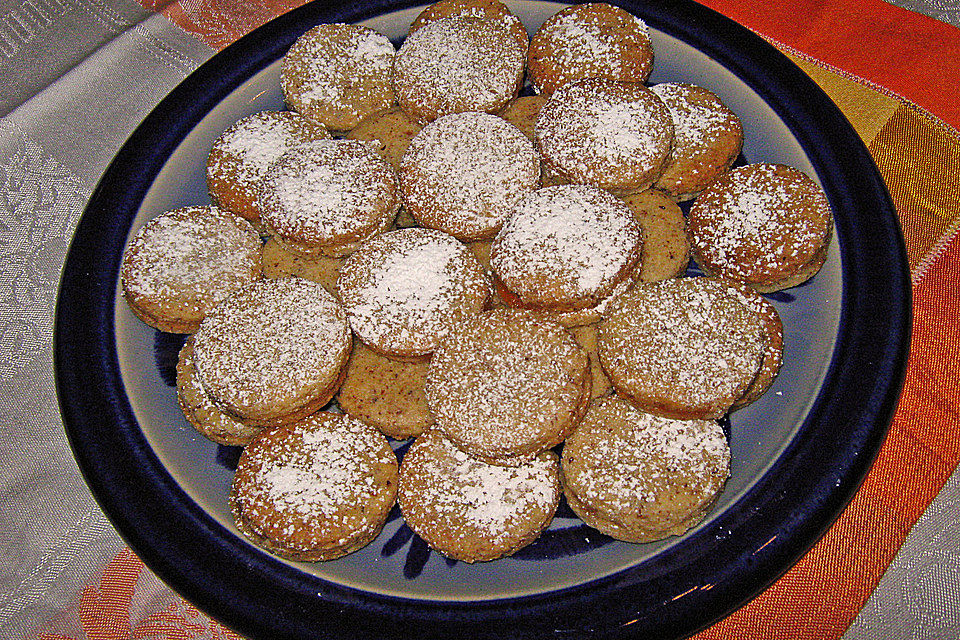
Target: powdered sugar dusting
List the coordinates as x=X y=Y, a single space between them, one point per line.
x=697 y=121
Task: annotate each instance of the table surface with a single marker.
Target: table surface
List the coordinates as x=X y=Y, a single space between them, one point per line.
x=77 y=76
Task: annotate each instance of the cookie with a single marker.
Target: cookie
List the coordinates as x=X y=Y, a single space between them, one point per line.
x=586 y=337
x=565 y=248
x=182 y=263
x=273 y=352
x=472 y=511
x=765 y=225
x=405 y=289
x=666 y=250
x=707 y=138
x=456 y=64
x=327 y=196
x=593 y=40
x=315 y=490
x=386 y=393
x=488 y=9
x=682 y=348
x=504 y=386
x=773 y=355
x=638 y=477
x=464 y=173
x=339 y=74
x=239 y=159
x=391 y=130
x=280 y=262
x=199 y=410
x=610 y=134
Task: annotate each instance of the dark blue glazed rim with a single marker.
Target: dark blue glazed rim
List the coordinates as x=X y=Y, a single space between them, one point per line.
x=669 y=595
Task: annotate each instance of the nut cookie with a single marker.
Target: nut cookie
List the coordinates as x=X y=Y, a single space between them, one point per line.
x=327 y=196
x=386 y=393
x=707 y=138
x=773 y=356
x=565 y=248
x=593 y=40
x=456 y=64
x=280 y=262
x=465 y=172
x=315 y=490
x=504 y=385
x=391 y=130
x=682 y=348
x=339 y=74
x=488 y=9
x=639 y=477
x=182 y=263
x=586 y=337
x=610 y=134
x=273 y=352
x=201 y=412
x=405 y=289
x=470 y=510
x=765 y=225
x=239 y=159
x=666 y=250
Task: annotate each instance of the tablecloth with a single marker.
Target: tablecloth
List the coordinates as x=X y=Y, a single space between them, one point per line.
x=77 y=76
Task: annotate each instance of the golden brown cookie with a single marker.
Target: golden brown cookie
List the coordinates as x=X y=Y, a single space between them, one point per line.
x=339 y=74
x=327 y=196
x=707 y=138
x=522 y=113
x=666 y=250
x=240 y=157
x=470 y=510
x=586 y=337
x=199 y=409
x=765 y=225
x=457 y=64
x=639 y=477
x=392 y=130
x=273 y=352
x=386 y=393
x=610 y=134
x=488 y=9
x=773 y=356
x=682 y=348
x=182 y=263
x=593 y=40
x=280 y=262
x=315 y=490
x=405 y=289
x=504 y=386
x=565 y=248
x=464 y=173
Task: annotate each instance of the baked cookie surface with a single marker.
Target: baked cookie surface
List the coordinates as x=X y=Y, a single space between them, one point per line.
x=666 y=250
x=315 y=490
x=470 y=510
x=182 y=263
x=639 y=477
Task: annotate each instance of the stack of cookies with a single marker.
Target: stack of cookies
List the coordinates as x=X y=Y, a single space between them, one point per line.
x=476 y=241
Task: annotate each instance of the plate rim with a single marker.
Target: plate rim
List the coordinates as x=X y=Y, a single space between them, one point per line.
x=89 y=387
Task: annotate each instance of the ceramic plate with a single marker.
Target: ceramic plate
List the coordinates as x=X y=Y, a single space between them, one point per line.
x=798 y=454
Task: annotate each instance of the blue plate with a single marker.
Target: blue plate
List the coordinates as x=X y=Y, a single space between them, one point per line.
x=799 y=453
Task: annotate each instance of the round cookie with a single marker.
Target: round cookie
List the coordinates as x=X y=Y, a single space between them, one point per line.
x=504 y=386
x=392 y=130
x=273 y=352
x=666 y=250
x=199 y=410
x=682 y=348
x=593 y=40
x=488 y=9
x=240 y=157
x=470 y=510
x=457 y=64
x=773 y=356
x=765 y=225
x=386 y=393
x=586 y=337
x=522 y=113
x=182 y=263
x=465 y=172
x=614 y=135
x=327 y=196
x=639 y=477
x=315 y=490
x=404 y=289
x=707 y=138
x=339 y=74
x=565 y=248
x=279 y=262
